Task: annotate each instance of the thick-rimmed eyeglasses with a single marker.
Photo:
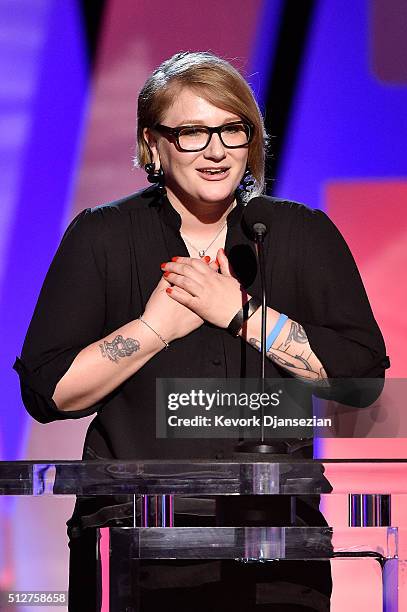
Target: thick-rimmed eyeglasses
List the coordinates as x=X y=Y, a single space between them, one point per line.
x=193 y=138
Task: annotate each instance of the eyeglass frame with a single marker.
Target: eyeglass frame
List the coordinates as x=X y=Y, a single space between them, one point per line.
x=175 y=132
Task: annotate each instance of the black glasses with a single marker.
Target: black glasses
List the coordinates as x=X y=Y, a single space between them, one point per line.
x=193 y=138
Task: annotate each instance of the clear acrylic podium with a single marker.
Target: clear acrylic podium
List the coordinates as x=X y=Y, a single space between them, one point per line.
x=156 y=488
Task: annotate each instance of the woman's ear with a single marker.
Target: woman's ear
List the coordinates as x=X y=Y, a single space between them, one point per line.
x=151 y=141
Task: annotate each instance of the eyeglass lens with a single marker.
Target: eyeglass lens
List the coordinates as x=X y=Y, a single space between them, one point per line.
x=198 y=137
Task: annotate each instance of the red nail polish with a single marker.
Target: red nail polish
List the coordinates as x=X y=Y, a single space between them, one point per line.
x=174 y=258
x=163 y=265
x=217 y=262
x=169 y=289
x=166 y=273
x=207 y=258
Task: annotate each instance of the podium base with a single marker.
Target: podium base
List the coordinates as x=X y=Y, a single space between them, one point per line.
x=257 y=447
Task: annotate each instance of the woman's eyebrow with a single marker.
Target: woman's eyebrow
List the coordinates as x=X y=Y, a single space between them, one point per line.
x=200 y=122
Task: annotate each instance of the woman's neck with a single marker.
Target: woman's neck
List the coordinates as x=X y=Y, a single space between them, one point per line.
x=200 y=218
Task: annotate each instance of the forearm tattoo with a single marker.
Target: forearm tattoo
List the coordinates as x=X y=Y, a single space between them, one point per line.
x=119 y=347
x=296 y=334
x=295 y=355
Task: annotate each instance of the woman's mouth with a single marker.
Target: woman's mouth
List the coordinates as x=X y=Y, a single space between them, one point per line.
x=214 y=173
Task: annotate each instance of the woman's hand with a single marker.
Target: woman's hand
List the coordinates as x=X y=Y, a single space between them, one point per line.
x=198 y=286
x=168 y=317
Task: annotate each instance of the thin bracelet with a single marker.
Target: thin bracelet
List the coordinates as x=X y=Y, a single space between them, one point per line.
x=167 y=344
x=275 y=331
x=243 y=315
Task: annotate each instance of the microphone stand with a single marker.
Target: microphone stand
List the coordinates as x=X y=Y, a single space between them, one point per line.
x=276 y=446
x=237 y=511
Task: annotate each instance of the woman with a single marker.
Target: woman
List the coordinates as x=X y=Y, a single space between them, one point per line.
x=170 y=268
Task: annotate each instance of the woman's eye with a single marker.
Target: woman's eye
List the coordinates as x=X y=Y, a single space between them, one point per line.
x=192 y=131
x=233 y=129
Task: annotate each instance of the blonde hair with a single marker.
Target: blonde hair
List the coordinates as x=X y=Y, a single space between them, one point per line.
x=219 y=83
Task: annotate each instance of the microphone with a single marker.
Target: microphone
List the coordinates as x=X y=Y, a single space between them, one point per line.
x=255 y=220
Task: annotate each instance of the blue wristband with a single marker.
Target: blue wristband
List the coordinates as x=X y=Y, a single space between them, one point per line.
x=275 y=331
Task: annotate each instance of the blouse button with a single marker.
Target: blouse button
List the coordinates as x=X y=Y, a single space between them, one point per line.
x=216 y=362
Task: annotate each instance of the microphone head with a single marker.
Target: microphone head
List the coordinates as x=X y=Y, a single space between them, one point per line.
x=255 y=219
x=260 y=229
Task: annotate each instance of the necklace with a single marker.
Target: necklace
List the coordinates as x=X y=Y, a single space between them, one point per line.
x=201 y=252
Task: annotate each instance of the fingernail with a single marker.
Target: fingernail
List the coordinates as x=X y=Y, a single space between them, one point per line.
x=163 y=265
x=207 y=258
x=169 y=289
x=166 y=273
x=174 y=258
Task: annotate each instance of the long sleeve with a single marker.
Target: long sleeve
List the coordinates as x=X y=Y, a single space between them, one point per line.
x=69 y=315
x=339 y=322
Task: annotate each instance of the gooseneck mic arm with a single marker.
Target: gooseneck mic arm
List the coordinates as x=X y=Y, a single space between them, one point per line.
x=259 y=231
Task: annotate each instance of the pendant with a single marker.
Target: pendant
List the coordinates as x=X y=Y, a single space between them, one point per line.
x=201 y=253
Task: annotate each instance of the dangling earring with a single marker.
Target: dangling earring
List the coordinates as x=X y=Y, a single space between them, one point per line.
x=247 y=182
x=155 y=176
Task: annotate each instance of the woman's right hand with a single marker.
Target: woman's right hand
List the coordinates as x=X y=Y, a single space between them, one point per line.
x=166 y=316
x=94 y=373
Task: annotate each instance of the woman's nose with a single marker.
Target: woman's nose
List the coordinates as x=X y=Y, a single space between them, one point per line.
x=215 y=148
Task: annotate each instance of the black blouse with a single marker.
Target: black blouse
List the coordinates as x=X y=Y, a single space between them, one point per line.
x=106 y=268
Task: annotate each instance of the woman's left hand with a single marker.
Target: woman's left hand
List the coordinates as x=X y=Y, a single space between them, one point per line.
x=198 y=286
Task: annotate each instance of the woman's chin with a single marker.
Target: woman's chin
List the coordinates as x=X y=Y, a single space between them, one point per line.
x=217 y=193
